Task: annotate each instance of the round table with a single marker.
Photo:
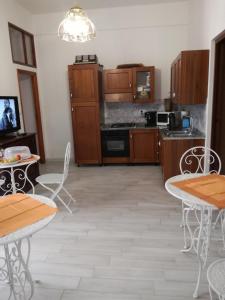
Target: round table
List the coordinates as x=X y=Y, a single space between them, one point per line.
x=14 y=266
x=11 y=170
x=199 y=237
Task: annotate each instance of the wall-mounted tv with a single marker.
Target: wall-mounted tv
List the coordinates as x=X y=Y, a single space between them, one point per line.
x=9 y=115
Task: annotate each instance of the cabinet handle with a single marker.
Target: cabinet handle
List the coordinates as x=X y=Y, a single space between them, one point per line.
x=131 y=136
x=72 y=109
x=130 y=84
x=71 y=95
x=134 y=97
x=174 y=94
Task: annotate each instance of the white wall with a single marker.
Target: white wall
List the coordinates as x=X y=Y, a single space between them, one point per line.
x=150 y=34
x=10 y=11
x=207 y=20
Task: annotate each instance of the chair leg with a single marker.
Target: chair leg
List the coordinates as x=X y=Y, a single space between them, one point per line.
x=182 y=221
x=222 y=229
x=56 y=194
x=71 y=197
x=66 y=206
x=47 y=188
x=210 y=293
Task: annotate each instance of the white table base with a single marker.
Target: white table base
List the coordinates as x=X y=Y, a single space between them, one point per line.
x=14 y=270
x=199 y=238
x=196 y=237
x=16 y=187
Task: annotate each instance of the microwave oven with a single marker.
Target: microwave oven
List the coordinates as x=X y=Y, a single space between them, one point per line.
x=162 y=118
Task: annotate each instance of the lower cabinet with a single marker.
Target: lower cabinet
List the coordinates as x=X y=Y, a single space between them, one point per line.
x=144 y=145
x=171 y=151
x=86 y=130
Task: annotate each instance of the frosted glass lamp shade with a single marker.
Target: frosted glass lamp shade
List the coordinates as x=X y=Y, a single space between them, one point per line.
x=76 y=26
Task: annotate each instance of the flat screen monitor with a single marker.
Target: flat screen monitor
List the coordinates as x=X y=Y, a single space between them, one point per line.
x=9 y=115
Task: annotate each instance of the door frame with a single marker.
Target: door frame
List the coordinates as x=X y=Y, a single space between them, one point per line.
x=34 y=82
x=214 y=118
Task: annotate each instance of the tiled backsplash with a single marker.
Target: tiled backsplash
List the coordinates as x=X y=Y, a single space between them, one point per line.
x=129 y=112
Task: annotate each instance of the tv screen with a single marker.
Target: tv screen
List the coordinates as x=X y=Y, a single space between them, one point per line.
x=9 y=114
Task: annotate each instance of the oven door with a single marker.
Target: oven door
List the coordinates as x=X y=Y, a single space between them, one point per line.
x=115 y=143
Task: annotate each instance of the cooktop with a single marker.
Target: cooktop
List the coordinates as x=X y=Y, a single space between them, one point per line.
x=121 y=125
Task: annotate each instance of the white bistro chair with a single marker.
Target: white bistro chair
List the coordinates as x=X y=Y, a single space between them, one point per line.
x=216 y=279
x=59 y=180
x=199 y=160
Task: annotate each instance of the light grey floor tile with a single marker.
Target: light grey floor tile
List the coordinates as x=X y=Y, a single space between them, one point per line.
x=122 y=242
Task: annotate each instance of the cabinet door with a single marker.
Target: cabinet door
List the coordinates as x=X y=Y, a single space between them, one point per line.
x=143 y=84
x=118 y=81
x=176 y=81
x=83 y=83
x=160 y=145
x=194 y=77
x=86 y=130
x=173 y=150
x=144 y=145
x=172 y=82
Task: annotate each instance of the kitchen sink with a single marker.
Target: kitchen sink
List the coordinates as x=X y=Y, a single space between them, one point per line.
x=179 y=133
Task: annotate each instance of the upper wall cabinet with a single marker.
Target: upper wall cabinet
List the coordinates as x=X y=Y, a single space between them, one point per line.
x=83 y=83
x=144 y=81
x=189 y=77
x=129 y=85
x=118 y=81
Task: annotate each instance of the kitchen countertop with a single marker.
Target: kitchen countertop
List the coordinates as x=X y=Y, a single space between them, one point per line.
x=196 y=134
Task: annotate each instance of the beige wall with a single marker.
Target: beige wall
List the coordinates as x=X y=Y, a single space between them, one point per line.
x=150 y=34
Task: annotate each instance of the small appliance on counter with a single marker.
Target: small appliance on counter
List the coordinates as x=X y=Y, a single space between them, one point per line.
x=150 y=117
x=180 y=120
x=187 y=122
x=162 y=118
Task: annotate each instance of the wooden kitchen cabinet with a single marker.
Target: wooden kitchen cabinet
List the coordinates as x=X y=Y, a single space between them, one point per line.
x=83 y=83
x=85 y=120
x=189 y=77
x=171 y=151
x=143 y=84
x=144 y=145
x=118 y=81
x=129 y=85
x=85 y=90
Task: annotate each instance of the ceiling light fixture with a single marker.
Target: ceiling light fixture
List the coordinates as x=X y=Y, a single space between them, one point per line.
x=76 y=26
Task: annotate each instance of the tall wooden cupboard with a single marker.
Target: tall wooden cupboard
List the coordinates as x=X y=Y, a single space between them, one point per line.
x=85 y=94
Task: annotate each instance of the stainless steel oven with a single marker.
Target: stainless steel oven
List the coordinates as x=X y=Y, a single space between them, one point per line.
x=115 y=143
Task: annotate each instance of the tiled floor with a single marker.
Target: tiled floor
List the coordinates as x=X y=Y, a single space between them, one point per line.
x=121 y=243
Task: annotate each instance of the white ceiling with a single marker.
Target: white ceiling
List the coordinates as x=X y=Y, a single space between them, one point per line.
x=49 y=6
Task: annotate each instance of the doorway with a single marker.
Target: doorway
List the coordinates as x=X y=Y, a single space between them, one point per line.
x=29 y=96
x=218 y=119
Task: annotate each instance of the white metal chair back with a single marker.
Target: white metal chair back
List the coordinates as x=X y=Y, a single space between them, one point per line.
x=200 y=160
x=216 y=279
x=66 y=162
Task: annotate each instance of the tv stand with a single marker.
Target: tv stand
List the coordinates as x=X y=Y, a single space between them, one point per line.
x=28 y=140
